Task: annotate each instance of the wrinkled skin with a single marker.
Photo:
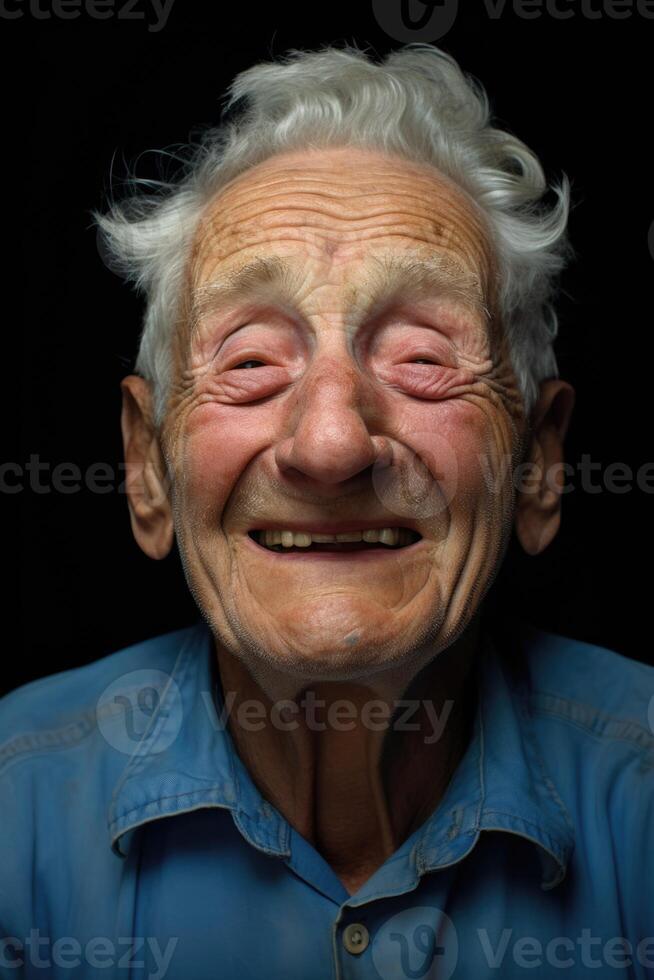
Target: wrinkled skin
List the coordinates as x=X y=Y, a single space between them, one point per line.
x=328 y=400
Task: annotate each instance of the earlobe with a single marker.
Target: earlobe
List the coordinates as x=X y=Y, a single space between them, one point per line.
x=147 y=479
x=538 y=502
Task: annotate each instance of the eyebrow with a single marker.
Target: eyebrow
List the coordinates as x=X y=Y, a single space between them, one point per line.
x=388 y=277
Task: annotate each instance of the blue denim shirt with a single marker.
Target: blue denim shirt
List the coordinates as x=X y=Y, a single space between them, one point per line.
x=133 y=842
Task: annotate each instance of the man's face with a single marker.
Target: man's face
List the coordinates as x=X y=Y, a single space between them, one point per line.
x=350 y=380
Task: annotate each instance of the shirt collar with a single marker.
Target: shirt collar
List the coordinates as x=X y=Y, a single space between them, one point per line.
x=502 y=782
x=187 y=760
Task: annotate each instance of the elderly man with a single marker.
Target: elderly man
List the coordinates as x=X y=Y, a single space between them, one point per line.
x=345 y=400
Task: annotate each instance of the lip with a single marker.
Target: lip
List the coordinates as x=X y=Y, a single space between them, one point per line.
x=369 y=554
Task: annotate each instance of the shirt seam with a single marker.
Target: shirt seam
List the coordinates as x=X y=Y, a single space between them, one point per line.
x=171 y=796
x=631 y=732
x=64 y=737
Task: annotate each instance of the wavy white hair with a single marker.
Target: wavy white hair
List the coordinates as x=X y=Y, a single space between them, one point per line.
x=417 y=102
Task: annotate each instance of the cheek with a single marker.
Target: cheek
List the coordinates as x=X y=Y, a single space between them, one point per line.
x=213 y=453
x=465 y=449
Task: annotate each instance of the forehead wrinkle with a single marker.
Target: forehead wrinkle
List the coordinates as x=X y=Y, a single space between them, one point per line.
x=389 y=277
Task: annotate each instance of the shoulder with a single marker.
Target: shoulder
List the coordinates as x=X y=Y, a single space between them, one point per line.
x=590 y=711
x=591 y=687
x=65 y=741
x=61 y=710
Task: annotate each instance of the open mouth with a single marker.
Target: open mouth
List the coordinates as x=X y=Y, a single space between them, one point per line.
x=287 y=542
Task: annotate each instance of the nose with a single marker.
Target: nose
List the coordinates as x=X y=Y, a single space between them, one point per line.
x=331 y=441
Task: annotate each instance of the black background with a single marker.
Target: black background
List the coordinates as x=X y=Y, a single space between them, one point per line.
x=84 y=92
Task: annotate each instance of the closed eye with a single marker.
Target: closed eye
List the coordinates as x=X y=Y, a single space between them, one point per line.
x=246 y=365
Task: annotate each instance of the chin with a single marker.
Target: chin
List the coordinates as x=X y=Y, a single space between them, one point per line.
x=330 y=649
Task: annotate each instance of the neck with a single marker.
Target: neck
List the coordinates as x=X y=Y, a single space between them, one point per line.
x=352 y=769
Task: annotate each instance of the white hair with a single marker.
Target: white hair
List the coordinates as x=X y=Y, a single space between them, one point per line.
x=417 y=103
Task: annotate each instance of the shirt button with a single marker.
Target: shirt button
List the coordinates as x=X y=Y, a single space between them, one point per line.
x=355 y=938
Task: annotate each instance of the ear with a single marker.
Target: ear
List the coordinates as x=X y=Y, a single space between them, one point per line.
x=538 y=502
x=147 y=480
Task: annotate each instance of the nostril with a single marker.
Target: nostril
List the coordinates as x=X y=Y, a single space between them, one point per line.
x=326 y=452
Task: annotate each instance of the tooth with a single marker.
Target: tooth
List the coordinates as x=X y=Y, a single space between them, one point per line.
x=390 y=536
